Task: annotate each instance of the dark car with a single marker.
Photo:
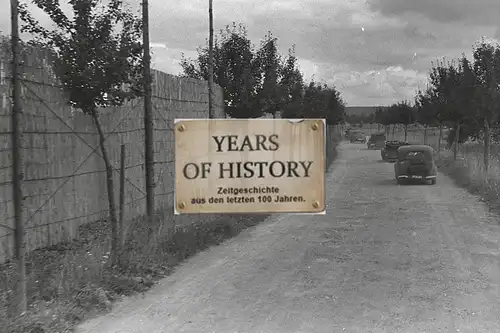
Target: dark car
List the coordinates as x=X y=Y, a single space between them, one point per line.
x=376 y=141
x=415 y=162
x=357 y=137
x=390 y=151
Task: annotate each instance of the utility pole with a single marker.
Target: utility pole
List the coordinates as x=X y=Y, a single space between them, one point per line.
x=148 y=116
x=17 y=164
x=210 y=60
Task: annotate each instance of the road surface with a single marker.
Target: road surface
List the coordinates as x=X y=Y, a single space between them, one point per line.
x=386 y=258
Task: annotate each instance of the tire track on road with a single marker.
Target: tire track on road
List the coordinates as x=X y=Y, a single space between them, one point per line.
x=474 y=302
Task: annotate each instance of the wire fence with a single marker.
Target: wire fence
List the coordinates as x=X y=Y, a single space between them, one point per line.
x=64 y=183
x=470 y=154
x=64 y=176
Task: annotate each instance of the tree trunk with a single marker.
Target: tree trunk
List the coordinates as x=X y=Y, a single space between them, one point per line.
x=440 y=137
x=425 y=135
x=486 y=144
x=406 y=132
x=456 y=139
x=110 y=189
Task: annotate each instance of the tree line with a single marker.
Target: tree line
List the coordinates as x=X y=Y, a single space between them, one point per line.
x=462 y=94
x=401 y=114
x=259 y=80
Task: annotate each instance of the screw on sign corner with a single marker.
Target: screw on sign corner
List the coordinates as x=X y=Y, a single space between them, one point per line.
x=181 y=205
x=316 y=126
x=315 y=204
x=181 y=128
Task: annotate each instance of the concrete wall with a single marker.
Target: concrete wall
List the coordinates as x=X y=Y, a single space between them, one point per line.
x=64 y=180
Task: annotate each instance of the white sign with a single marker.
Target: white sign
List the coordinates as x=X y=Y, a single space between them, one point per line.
x=249 y=166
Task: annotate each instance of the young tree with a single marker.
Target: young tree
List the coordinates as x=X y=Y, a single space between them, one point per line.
x=322 y=101
x=405 y=115
x=236 y=69
x=392 y=117
x=382 y=117
x=335 y=107
x=98 y=61
x=426 y=111
x=291 y=86
x=487 y=92
x=452 y=86
x=370 y=119
x=270 y=96
x=434 y=110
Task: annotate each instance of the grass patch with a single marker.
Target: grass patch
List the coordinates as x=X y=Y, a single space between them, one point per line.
x=468 y=172
x=71 y=282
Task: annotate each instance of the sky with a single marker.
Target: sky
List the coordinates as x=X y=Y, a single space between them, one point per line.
x=375 y=52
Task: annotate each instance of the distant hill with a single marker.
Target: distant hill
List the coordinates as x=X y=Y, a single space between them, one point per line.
x=360 y=110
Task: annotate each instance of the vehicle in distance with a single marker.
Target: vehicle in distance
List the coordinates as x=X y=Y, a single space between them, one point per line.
x=376 y=141
x=357 y=137
x=389 y=152
x=415 y=163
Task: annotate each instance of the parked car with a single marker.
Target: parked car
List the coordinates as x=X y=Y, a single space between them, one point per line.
x=376 y=141
x=415 y=162
x=357 y=137
x=390 y=151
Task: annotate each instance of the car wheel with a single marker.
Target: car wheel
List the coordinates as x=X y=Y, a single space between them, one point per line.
x=433 y=181
x=399 y=181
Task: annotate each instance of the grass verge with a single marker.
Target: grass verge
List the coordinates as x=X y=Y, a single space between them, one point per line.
x=68 y=283
x=468 y=173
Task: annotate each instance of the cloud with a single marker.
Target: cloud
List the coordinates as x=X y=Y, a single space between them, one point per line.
x=380 y=87
x=374 y=51
x=335 y=38
x=477 y=12
x=168 y=59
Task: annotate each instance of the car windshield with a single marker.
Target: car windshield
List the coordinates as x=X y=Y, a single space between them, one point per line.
x=416 y=155
x=392 y=147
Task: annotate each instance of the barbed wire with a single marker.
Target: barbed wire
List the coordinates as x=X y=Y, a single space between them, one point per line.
x=8 y=79
x=101 y=212
x=78 y=168
x=94 y=149
x=164 y=113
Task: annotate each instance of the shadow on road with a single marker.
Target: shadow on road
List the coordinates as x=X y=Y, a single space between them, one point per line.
x=386 y=182
x=416 y=183
x=392 y=182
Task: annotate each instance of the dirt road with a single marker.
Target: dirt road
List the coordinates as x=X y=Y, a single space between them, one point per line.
x=386 y=258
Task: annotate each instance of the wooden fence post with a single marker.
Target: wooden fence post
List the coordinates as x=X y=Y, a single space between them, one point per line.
x=17 y=163
x=122 y=197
